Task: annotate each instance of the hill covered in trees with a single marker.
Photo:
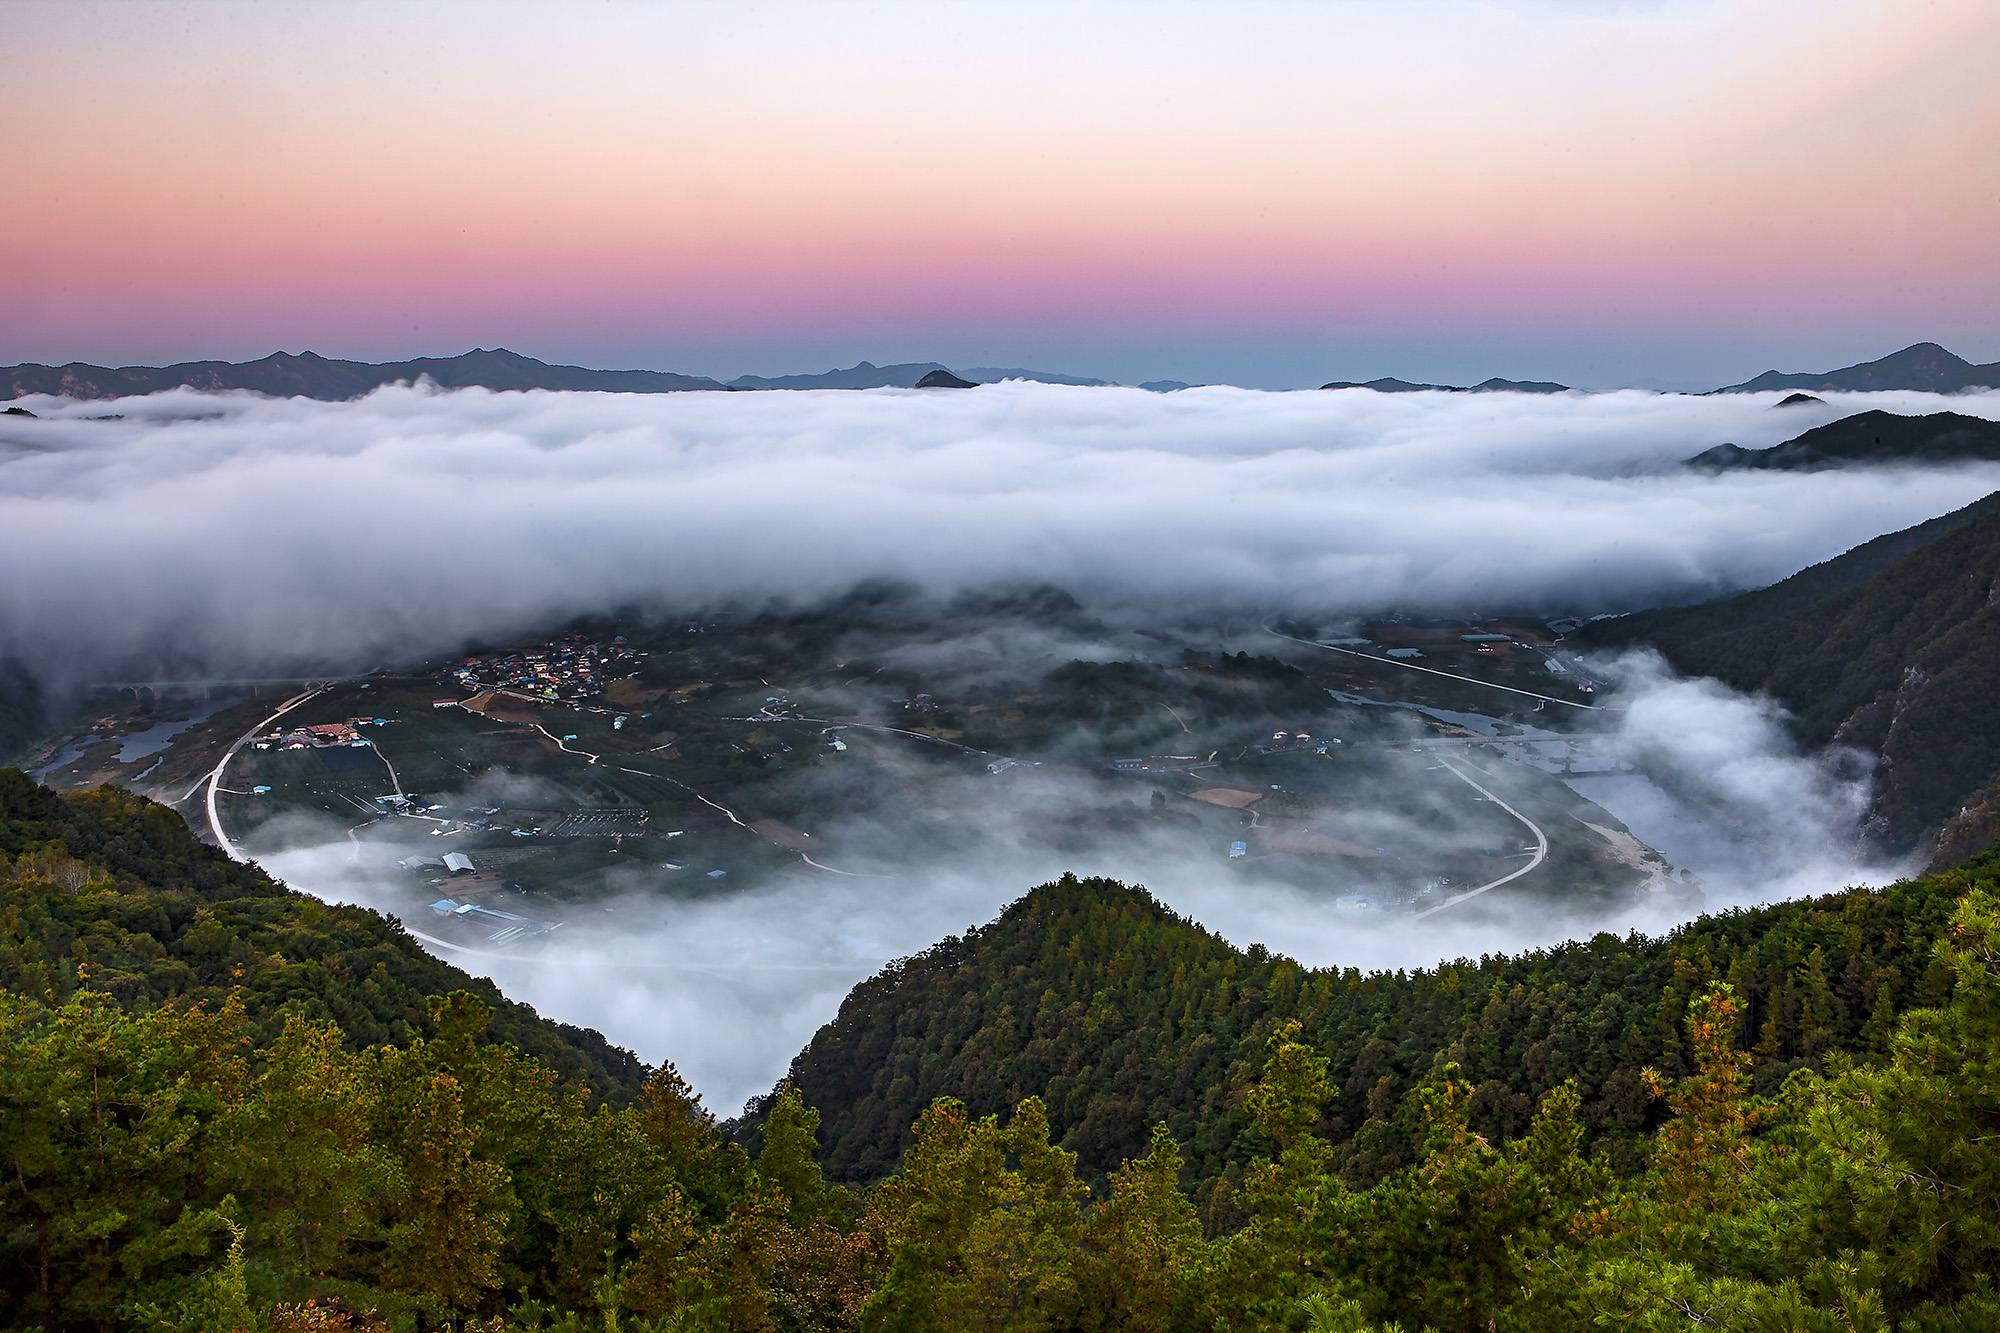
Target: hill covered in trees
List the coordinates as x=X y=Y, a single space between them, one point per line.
x=1120 y=1015
x=1866 y=437
x=1672 y=628
x=188 y=1145
x=1904 y=663
x=23 y=711
x=104 y=893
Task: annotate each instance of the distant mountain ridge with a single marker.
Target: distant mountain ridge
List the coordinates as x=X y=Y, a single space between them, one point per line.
x=1388 y=384
x=907 y=375
x=1922 y=367
x=866 y=375
x=309 y=375
x=995 y=374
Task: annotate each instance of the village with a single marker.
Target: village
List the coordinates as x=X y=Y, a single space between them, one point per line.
x=470 y=905
x=320 y=735
x=1521 y=652
x=572 y=668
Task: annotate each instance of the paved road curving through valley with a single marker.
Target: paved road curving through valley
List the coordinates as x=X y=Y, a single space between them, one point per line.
x=215 y=777
x=1541 y=845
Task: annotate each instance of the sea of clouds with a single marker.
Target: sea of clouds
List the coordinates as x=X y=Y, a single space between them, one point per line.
x=234 y=535
x=731 y=987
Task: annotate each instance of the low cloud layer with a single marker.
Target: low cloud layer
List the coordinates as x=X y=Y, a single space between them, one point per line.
x=236 y=534
x=1733 y=794
x=731 y=987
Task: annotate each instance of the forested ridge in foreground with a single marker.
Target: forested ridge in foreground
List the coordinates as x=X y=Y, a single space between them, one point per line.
x=108 y=892
x=171 y=1160
x=1119 y=1014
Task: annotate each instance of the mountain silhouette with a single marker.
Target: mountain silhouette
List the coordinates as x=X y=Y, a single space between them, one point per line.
x=1924 y=367
x=866 y=375
x=309 y=375
x=1866 y=437
x=1388 y=384
x=995 y=374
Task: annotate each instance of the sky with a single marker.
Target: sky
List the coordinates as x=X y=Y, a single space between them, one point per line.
x=1274 y=195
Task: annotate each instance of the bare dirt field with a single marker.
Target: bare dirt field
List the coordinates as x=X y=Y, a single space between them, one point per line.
x=783 y=834
x=1229 y=796
x=1289 y=835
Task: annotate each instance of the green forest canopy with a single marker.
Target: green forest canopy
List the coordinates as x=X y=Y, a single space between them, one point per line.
x=177 y=1160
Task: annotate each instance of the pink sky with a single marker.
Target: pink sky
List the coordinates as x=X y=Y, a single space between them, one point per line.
x=1275 y=194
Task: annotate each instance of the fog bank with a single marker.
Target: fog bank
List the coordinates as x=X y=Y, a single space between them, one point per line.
x=233 y=534
x=239 y=535
x=731 y=987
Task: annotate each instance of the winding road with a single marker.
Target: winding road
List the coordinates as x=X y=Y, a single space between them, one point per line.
x=215 y=776
x=1541 y=845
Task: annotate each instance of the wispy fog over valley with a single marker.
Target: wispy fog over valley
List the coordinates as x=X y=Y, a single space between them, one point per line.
x=724 y=701
x=846 y=668
x=241 y=534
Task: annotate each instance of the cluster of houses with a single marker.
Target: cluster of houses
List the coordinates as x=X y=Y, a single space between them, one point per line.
x=1284 y=741
x=511 y=927
x=568 y=668
x=319 y=735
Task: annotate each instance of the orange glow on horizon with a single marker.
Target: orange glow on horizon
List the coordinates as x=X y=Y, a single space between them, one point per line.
x=1469 y=165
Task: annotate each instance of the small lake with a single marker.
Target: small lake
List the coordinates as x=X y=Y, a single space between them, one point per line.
x=69 y=754
x=173 y=719
x=156 y=738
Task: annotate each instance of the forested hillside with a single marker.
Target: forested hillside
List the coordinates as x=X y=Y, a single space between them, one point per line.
x=1867 y=438
x=1672 y=628
x=109 y=893
x=1121 y=1015
x=23 y=711
x=179 y=1165
x=1905 y=664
